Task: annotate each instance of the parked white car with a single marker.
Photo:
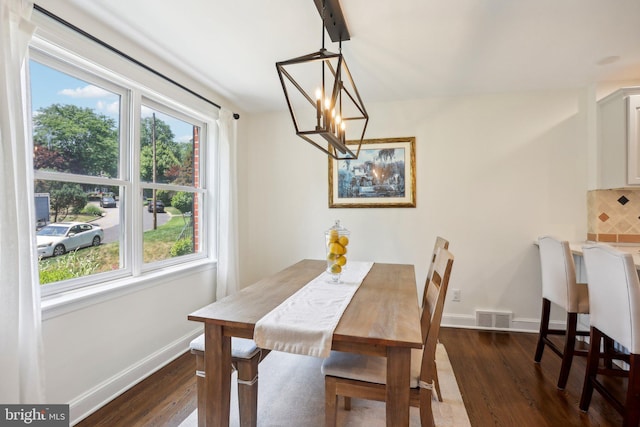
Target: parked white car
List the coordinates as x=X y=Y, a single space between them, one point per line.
x=60 y=237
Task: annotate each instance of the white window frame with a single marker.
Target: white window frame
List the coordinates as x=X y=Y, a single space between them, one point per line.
x=199 y=191
x=66 y=51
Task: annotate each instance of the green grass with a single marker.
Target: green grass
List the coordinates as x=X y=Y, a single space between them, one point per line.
x=157 y=243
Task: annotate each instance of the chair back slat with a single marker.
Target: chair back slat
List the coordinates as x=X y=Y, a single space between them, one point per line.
x=441 y=243
x=435 y=295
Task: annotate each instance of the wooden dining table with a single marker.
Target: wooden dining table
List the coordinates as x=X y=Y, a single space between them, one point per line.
x=383 y=319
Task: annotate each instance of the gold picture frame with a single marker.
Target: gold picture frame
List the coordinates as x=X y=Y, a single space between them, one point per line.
x=383 y=176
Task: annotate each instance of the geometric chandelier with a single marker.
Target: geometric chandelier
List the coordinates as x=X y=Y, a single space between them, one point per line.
x=323 y=100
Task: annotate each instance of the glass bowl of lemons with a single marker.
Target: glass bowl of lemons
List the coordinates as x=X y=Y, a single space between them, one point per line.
x=336 y=242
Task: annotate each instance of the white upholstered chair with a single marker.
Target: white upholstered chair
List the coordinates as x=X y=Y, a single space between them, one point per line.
x=245 y=357
x=559 y=287
x=614 y=298
x=363 y=376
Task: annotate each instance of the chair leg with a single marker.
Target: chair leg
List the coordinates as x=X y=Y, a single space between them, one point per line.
x=436 y=383
x=200 y=385
x=426 y=411
x=609 y=350
x=544 y=328
x=330 y=402
x=569 y=349
x=593 y=359
x=248 y=390
x=632 y=403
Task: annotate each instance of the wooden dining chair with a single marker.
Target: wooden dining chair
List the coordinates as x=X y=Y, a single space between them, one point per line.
x=441 y=243
x=245 y=357
x=559 y=287
x=363 y=376
x=614 y=298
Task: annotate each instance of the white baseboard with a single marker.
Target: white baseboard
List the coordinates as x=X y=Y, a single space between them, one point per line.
x=517 y=324
x=93 y=399
x=458 y=321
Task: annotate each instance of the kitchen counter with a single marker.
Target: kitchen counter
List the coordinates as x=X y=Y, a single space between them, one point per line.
x=633 y=249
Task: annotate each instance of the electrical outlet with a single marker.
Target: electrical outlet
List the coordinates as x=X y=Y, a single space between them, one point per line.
x=455 y=295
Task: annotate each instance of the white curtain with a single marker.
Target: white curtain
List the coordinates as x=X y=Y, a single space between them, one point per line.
x=227 y=282
x=21 y=367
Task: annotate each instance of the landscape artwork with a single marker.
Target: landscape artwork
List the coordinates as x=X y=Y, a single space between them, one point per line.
x=383 y=175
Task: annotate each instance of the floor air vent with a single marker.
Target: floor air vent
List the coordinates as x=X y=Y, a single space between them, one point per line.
x=493 y=319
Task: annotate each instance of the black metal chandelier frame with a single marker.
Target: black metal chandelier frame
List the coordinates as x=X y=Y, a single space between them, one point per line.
x=330 y=99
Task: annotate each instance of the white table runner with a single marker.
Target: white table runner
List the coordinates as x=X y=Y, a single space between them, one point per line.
x=304 y=322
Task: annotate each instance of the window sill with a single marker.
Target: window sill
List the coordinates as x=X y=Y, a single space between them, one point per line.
x=66 y=302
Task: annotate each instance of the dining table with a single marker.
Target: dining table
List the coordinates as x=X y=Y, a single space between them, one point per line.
x=382 y=319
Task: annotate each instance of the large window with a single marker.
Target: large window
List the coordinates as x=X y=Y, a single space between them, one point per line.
x=118 y=174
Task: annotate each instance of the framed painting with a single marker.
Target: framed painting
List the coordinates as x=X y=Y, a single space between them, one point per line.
x=383 y=175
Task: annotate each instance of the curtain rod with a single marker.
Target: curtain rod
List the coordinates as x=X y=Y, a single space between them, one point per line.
x=124 y=55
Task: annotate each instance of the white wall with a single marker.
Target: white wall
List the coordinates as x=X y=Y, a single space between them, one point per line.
x=493 y=173
x=94 y=353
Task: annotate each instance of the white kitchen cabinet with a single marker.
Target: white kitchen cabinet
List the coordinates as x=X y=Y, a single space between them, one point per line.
x=619 y=139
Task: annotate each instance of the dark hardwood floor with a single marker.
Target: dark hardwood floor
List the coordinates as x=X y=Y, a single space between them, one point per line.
x=501 y=385
x=499 y=381
x=165 y=398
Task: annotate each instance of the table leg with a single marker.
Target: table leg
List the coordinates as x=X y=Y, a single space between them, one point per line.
x=397 y=399
x=217 y=368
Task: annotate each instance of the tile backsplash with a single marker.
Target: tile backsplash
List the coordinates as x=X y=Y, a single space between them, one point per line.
x=614 y=215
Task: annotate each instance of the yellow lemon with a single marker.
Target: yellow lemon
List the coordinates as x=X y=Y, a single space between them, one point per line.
x=331 y=256
x=343 y=240
x=333 y=236
x=336 y=269
x=336 y=248
x=342 y=260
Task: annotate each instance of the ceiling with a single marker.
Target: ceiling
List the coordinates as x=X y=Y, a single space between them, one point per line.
x=399 y=50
